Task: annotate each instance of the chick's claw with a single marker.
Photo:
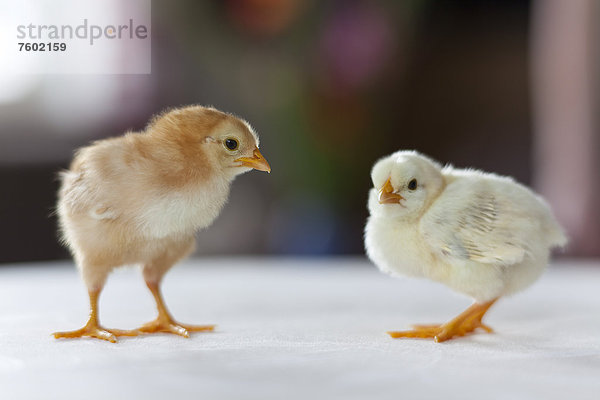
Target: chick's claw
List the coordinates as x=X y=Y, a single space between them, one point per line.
x=442 y=332
x=95 y=331
x=164 y=325
x=437 y=326
x=464 y=324
x=420 y=333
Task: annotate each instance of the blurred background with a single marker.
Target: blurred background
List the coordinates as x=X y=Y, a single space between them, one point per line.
x=509 y=86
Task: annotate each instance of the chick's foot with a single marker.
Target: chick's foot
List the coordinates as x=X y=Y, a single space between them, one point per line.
x=440 y=332
x=464 y=324
x=167 y=325
x=95 y=331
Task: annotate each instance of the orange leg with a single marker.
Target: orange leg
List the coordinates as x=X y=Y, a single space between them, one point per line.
x=92 y=328
x=164 y=322
x=465 y=323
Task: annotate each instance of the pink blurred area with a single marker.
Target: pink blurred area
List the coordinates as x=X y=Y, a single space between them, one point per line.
x=504 y=86
x=565 y=68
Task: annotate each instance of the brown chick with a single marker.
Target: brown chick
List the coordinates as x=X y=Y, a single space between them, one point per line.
x=139 y=199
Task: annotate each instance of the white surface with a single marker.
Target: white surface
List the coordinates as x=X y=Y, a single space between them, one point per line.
x=296 y=330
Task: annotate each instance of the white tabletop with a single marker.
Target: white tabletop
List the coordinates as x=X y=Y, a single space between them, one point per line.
x=296 y=329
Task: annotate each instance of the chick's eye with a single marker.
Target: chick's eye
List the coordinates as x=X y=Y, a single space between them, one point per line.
x=412 y=185
x=231 y=144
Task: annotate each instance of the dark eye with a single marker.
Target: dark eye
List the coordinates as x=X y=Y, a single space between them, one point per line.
x=231 y=144
x=412 y=185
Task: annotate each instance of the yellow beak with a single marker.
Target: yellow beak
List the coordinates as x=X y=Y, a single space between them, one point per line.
x=387 y=195
x=257 y=162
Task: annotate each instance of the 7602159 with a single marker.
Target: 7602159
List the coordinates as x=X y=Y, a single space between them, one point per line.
x=49 y=46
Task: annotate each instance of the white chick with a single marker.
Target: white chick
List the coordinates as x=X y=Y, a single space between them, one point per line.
x=139 y=199
x=481 y=234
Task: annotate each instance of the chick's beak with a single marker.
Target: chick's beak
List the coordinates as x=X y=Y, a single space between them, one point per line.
x=257 y=162
x=387 y=195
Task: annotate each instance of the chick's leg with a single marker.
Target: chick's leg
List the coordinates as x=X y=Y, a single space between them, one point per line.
x=465 y=323
x=165 y=322
x=92 y=328
x=153 y=273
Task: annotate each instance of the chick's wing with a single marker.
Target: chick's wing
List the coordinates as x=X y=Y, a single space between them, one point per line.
x=487 y=221
x=102 y=182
